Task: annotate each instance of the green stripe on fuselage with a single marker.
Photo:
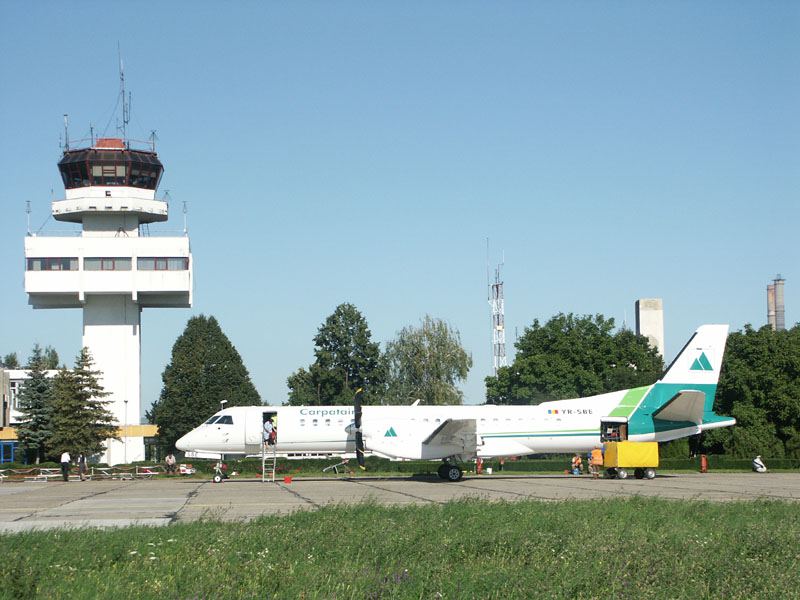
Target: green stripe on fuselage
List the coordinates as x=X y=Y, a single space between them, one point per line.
x=629 y=402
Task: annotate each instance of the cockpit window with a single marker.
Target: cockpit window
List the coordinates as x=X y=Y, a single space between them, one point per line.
x=211 y=420
x=225 y=420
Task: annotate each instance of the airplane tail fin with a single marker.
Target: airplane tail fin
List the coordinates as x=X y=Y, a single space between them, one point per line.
x=700 y=360
x=682 y=402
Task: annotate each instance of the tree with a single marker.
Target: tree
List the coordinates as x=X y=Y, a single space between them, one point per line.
x=759 y=385
x=80 y=420
x=346 y=359
x=11 y=361
x=426 y=363
x=50 y=358
x=205 y=369
x=573 y=357
x=34 y=404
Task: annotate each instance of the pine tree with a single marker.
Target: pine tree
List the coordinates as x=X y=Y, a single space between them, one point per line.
x=80 y=420
x=205 y=369
x=34 y=404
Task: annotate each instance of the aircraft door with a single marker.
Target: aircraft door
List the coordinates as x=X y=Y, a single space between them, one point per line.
x=613 y=429
x=253 y=427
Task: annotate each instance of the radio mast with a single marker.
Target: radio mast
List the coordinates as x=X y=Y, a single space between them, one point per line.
x=497 y=303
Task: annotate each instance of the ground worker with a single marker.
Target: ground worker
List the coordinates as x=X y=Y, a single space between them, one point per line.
x=577 y=464
x=596 y=462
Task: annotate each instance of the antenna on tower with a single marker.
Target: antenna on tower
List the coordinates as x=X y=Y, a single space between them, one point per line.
x=185 y=223
x=66 y=131
x=126 y=99
x=153 y=138
x=497 y=302
x=28 y=211
x=91 y=133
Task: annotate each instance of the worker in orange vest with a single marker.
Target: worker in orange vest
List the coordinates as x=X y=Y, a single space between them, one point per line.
x=596 y=462
x=577 y=463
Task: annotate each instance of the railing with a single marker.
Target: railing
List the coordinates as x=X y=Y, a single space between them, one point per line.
x=142 y=233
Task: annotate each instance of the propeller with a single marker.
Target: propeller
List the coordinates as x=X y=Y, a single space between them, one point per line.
x=357 y=423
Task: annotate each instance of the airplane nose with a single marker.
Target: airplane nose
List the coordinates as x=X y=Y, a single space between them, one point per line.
x=184 y=444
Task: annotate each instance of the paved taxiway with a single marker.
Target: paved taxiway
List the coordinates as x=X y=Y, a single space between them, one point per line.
x=26 y=506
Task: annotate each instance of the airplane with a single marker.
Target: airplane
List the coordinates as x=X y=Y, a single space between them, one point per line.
x=678 y=405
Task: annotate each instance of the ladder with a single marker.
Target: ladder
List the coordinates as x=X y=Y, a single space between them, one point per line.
x=268 y=462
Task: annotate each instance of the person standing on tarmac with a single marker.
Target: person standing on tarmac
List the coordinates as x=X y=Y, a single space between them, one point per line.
x=66 y=459
x=596 y=462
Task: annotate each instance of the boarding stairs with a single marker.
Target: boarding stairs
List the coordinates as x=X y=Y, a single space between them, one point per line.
x=269 y=460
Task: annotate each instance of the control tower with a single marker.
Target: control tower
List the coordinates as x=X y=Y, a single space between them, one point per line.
x=112 y=270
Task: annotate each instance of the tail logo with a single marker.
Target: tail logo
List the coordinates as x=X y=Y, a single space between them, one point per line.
x=701 y=363
x=390 y=432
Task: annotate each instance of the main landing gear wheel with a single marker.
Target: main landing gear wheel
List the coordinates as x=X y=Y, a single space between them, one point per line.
x=650 y=473
x=450 y=472
x=622 y=474
x=217 y=479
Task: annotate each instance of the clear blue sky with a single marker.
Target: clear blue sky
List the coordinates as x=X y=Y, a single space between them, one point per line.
x=362 y=152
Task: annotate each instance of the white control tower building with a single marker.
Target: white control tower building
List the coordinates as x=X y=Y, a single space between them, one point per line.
x=112 y=270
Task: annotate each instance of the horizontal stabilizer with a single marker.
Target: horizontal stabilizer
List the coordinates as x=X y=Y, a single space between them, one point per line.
x=686 y=405
x=452 y=432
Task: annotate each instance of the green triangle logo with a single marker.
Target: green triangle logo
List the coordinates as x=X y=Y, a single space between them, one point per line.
x=701 y=363
x=390 y=432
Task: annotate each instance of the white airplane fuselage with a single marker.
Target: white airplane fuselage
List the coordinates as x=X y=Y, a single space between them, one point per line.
x=680 y=404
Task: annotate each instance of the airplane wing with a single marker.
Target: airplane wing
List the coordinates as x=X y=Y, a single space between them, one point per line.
x=453 y=432
x=686 y=405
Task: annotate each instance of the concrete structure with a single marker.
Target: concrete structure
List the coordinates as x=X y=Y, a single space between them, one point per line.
x=112 y=270
x=117 y=503
x=776 y=311
x=650 y=321
x=11 y=383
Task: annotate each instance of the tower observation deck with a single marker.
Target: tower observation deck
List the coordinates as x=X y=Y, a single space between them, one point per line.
x=110 y=270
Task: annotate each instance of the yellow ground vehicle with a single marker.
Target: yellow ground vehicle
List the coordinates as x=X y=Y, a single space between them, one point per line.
x=620 y=457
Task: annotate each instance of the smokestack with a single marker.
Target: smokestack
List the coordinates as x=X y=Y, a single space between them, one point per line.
x=780 y=311
x=771 y=305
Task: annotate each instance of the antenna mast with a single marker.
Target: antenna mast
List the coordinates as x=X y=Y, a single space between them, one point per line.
x=126 y=99
x=497 y=302
x=66 y=131
x=28 y=211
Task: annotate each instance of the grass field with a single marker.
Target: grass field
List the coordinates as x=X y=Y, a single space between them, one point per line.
x=642 y=548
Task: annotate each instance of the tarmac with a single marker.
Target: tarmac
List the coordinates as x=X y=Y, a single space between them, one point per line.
x=163 y=501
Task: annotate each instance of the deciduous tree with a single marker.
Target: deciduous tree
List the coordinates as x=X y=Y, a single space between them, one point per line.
x=11 y=361
x=760 y=386
x=426 y=363
x=572 y=357
x=346 y=359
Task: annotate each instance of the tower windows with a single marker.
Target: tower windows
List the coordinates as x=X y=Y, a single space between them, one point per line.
x=162 y=263
x=52 y=264
x=107 y=264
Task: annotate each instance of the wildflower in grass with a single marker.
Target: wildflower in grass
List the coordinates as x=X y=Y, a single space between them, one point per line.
x=132 y=552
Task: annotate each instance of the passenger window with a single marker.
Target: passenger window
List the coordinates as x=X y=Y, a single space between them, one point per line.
x=327 y=422
x=438 y=420
x=315 y=422
x=302 y=422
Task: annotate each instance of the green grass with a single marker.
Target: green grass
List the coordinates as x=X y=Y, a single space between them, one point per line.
x=642 y=548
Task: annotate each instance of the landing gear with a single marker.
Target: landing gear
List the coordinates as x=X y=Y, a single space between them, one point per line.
x=450 y=472
x=649 y=473
x=622 y=474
